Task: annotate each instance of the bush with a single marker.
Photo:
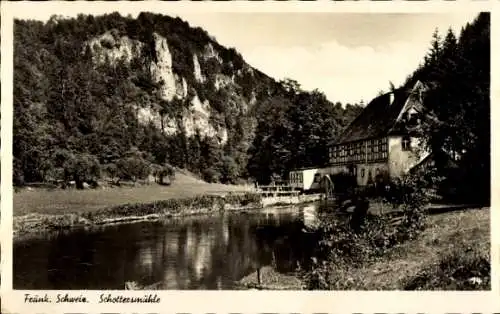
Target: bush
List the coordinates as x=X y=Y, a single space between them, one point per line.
x=211 y=175
x=229 y=171
x=460 y=270
x=163 y=171
x=133 y=168
x=168 y=207
x=107 y=43
x=82 y=168
x=352 y=241
x=243 y=199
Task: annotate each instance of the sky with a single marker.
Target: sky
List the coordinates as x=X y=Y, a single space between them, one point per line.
x=348 y=56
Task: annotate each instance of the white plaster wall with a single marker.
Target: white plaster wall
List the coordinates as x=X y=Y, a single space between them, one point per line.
x=401 y=161
x=309 y=177
x=332 y=170
x=369 y=168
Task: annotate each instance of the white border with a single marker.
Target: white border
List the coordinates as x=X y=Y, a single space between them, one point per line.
x=250 y=301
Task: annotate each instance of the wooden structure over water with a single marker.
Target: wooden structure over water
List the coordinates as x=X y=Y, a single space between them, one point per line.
x=283 y=194
x=275 y=190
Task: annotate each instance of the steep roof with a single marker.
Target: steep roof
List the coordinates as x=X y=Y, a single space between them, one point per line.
x=441 y=156
x=380 y=116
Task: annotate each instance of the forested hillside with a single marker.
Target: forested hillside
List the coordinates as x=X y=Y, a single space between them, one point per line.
x=117 y=97
x=457 y=72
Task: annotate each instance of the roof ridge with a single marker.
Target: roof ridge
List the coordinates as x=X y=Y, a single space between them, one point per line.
x=378 y=117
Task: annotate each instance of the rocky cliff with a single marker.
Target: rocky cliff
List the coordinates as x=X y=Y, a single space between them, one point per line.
x=197 y=116
x=114 y=91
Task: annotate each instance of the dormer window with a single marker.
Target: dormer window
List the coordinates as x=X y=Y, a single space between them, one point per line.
x=406 y=143
x=413 y=119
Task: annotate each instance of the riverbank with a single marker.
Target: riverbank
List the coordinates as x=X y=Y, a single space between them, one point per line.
x=448 y=254
x=36 y=223
x=269 y=279
x=39 y=210
x=55 y=202
x=452 y=253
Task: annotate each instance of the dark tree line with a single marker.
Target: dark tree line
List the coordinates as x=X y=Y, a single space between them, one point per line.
x=76 y=119
x=457 y=72
x=295 y=129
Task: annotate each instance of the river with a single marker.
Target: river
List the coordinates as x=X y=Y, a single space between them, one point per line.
x=203 y=252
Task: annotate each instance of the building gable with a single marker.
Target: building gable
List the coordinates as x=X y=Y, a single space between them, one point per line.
x=411 y=115
x=384 y=114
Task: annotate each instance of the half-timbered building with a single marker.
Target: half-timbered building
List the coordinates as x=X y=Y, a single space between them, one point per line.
x=382 y=141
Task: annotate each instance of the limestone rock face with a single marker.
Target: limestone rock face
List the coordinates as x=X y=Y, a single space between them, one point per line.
x=111 y=47
x=197 y=70
x=171 y=85
x=196 y=115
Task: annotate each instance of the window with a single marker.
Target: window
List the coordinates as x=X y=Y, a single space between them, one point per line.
x=362 y=172
x=352 y=169
x=406 y=143
x=370 y=178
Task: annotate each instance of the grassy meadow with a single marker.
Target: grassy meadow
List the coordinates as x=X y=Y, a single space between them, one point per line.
x=452 y=242
x=81 y=201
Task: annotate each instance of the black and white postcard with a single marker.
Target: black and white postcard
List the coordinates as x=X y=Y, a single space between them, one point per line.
x=163 y=155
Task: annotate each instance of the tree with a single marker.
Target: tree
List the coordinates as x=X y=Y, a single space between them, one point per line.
x=457 y=73
x=229 y=171
x=65 y=99
x=432 y=58
x=392 y=88
x=133 y=168
x=163 y=171
x=82 y=168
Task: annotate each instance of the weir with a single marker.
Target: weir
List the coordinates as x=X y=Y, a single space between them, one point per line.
x=284 y=194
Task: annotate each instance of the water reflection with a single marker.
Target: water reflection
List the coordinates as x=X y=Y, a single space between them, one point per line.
x=190 y=253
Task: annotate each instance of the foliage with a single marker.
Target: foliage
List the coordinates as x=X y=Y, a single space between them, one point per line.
x=243 y=199
x=457 y=74
x=64 y=100
x=173 y=206
x=349 y=241
x=459 y=270
x=133 y=168
x=82 y=168
x=204 y=204
x=164 y=171
x=294 y=130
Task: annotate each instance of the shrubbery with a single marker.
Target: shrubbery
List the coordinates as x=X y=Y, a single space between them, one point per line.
x=174 y=206
x=82 y=168
x=345 y=245
x=243 y=199
x=459 y=270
